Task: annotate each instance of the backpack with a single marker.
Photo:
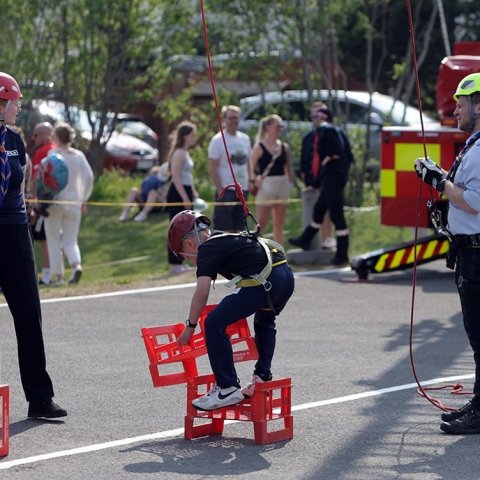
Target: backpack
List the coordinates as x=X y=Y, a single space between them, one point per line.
x=52 y=176
x=346 y=147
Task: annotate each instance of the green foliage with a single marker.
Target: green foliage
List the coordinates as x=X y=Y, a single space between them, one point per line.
x=113 y=186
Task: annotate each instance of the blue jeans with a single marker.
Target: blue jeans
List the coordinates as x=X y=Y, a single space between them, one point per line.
x=245 y=302
x=467 y=278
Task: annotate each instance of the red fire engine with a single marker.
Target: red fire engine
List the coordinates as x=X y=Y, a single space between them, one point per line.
x=399 y=184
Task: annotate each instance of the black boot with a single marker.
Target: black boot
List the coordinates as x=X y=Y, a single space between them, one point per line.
x=341 y=256
x=305 y=239
x=45 y=409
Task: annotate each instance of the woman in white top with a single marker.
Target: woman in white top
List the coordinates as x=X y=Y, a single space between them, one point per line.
x=63 y=223
x=182 y=192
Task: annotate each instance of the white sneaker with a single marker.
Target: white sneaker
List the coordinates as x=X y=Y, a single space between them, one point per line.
x=329 y=243
x=140 y=217
x=249 y=390
x=123 y=217
x=180 y=268
x=218 y=397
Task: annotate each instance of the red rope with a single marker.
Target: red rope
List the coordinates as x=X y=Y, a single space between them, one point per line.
x=422 y=391
x=236 y=185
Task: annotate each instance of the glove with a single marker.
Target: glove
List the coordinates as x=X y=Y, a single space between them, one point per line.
x=430 y=173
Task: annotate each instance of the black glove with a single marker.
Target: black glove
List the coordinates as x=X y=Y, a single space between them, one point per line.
x=430 y=173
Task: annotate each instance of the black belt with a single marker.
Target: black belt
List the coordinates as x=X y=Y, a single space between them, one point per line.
x=467 y=240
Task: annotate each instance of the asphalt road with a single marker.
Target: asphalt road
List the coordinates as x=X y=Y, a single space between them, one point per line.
x=345 y=344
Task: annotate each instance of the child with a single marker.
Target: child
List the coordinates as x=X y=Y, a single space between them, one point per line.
x=148 y=193
x=260 y=268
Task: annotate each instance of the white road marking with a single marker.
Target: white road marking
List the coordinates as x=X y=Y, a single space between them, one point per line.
x=166 y=288
x=179 y=431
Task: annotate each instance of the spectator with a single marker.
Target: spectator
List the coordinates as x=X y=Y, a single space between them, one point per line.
x=63 y=223
x=43 y=142
x=150 y=192
x=270 y=285
x=181 y=193
x=327 y=230
x=271 y=167
x=331 y=175
x=18 y=272
x=227 y=217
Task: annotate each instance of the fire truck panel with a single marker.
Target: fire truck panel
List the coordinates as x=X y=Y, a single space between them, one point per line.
x=400 y=187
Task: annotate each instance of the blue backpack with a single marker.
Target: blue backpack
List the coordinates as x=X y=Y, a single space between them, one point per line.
x=53 y=176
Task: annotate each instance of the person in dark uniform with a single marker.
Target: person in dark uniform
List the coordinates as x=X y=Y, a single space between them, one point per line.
x=243 y=259
x=331 y=161
x=461 y=186
x=18 y=273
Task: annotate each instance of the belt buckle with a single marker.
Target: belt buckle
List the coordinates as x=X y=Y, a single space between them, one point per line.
x=475 y=240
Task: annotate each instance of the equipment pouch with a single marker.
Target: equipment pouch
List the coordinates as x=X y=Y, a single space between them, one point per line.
x=451 y=258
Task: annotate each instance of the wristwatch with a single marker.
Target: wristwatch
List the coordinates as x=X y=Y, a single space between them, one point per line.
x=189 y=324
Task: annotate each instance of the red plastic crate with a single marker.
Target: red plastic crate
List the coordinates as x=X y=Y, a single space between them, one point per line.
x=270 y=405
x=5 y=395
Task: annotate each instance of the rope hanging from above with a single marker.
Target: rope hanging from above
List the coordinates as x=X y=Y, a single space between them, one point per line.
x=235 y=184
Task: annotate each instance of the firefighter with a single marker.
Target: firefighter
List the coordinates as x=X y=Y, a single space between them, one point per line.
x=259 y=267
x=461 y=186
x=18 y=273
x=331 y=161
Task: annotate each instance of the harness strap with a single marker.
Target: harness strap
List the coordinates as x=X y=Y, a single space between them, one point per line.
x=251 y=282
x=256 y=279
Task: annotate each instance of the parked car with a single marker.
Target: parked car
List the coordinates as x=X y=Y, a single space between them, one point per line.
x=348 y=106
x=132 y=144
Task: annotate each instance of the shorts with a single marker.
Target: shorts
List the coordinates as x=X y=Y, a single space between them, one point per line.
x=274 y=188
x=38 y=229
x=229 y=218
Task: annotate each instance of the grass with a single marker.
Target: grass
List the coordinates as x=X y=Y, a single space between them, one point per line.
x=117 y=255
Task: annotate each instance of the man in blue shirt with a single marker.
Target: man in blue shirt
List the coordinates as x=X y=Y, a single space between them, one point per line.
x=461 y=186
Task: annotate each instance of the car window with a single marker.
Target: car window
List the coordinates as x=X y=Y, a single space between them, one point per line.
x=293 y=111
x=289 y=111
x=357 y=113
x=257 y=113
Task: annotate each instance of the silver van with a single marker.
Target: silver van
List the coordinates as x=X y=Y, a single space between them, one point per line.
x=350 y=108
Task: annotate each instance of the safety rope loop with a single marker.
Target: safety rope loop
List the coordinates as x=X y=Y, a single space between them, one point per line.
x=238 y=188
x=420 y=390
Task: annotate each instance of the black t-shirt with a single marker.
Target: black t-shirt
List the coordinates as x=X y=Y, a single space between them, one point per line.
x=230 y=255
x=278 y=167
x=13 y=211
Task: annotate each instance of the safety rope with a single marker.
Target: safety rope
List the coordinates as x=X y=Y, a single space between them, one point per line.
x=235 y=184
x=422 y=391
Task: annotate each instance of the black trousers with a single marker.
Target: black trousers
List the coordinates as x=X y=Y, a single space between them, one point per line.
x=174 y=197
x=18 y=280
x=467 y=278
x=331 y=198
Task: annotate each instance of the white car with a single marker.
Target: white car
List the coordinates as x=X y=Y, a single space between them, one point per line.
x=349 y=106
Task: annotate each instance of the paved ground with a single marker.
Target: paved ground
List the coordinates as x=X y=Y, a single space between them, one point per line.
x=344 y=343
